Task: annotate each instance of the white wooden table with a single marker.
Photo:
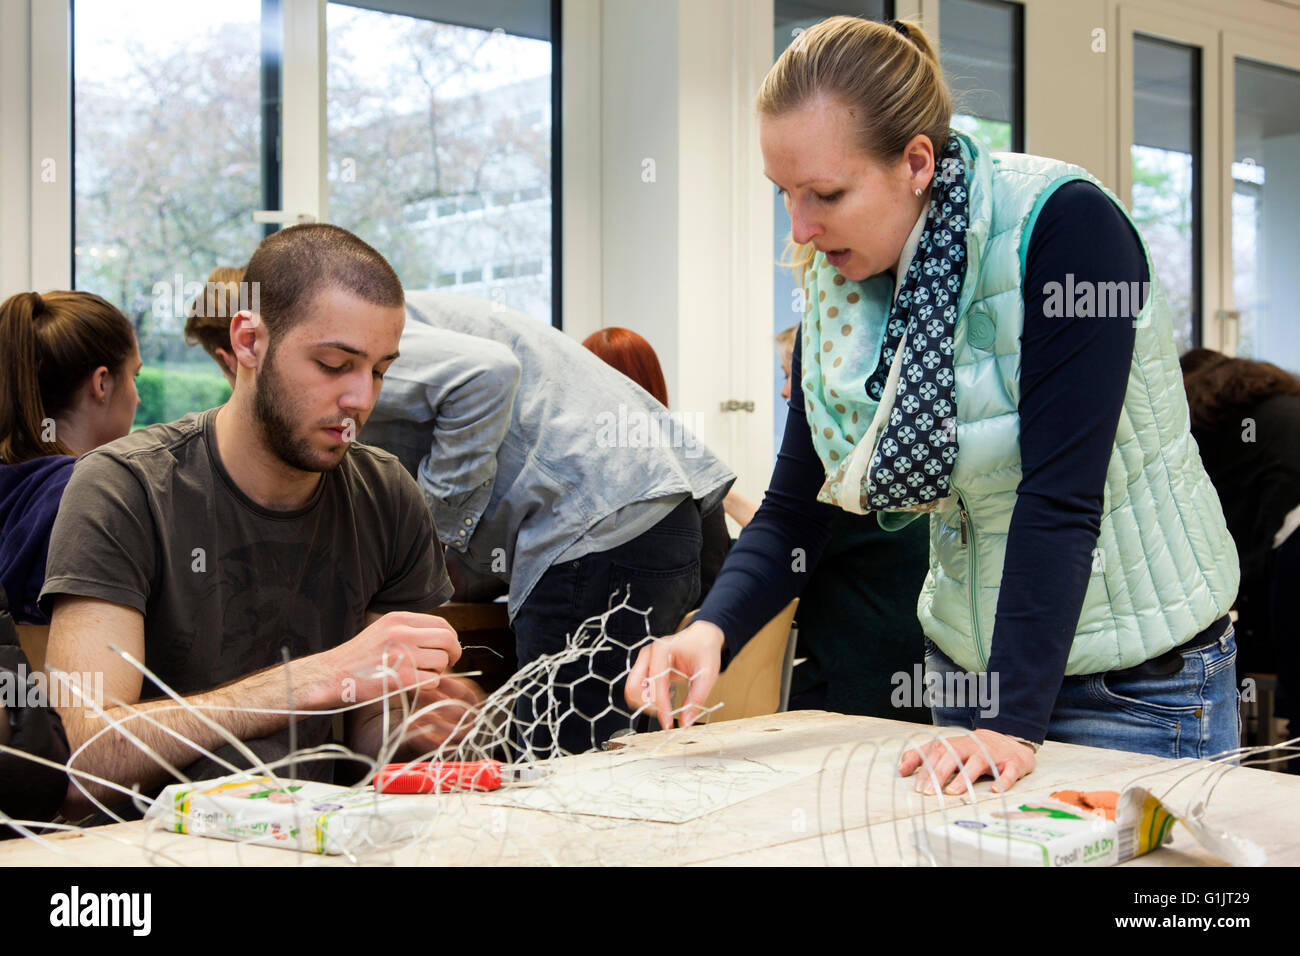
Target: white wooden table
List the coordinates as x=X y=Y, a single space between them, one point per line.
x=852 y=810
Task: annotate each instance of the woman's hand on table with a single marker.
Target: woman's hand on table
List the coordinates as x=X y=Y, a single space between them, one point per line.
x=693 y=654
x=1001 y=757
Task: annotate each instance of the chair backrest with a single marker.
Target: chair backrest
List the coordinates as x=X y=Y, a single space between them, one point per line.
x=756 y=682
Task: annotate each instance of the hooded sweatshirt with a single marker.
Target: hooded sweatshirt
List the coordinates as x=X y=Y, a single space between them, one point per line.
x=29 y=500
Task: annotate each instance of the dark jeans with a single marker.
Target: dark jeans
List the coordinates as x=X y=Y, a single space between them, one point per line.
x=581 y=702
x=1192 y=712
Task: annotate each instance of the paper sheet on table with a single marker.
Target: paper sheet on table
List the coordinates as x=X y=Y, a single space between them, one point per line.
x=663 y=789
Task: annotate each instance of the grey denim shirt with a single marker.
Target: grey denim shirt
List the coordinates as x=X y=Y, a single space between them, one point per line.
x=522 y=440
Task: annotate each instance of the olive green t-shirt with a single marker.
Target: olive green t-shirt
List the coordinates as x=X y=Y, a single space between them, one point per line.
x=154 y=522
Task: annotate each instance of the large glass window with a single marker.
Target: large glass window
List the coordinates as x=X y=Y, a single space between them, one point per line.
x=981 y=47
x=1166 y=201
x=792 y=17
x=1265 y=210
x=167 y=171
x=440 y=146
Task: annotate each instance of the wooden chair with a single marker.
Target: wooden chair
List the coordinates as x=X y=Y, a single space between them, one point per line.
x=757 y=681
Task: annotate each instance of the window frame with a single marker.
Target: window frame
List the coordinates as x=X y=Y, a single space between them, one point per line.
x=1207 y=169
x=270 y=71
x=1017 y=111
x=296 y=121
x=1236 y=46
x=1198 y=154
x=478 y=16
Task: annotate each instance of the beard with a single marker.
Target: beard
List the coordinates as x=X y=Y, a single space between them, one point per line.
x=279 y=418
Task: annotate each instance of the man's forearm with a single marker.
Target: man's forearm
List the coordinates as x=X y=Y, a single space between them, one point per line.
x=125 y=754
x=366 y=730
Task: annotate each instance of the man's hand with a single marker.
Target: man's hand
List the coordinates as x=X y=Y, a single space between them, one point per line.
x=439 y=714
x=693 y=654
x=399 y=650
x=443 y=714
x=1001 y=757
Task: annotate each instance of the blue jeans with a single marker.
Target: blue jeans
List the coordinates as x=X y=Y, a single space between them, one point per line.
x=1194 y=712
x=658 y=570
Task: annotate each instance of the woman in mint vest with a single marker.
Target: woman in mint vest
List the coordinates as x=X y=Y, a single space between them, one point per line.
x=984 y=346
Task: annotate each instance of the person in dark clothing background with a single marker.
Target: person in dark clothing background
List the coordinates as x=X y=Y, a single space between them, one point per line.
x=1246 y=422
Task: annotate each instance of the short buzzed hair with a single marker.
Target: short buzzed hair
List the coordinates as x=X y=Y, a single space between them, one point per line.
x=293 y=266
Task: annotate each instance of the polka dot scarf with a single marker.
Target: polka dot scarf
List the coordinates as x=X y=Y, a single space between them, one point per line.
x=880 y=392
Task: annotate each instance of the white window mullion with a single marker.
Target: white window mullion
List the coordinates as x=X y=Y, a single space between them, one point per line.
x=15 y=158
x=581 y=173
x=51 y=147
x=304 y=157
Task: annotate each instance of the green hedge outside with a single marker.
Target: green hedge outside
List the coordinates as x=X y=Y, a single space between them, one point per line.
x=166 y=394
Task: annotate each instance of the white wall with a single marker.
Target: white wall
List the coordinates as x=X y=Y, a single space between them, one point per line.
x=640 y=173
x=685 y=221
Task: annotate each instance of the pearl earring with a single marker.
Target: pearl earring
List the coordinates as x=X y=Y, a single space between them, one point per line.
x=917 y=192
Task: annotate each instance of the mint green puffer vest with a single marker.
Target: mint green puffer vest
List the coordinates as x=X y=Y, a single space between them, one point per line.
x=1164 y=566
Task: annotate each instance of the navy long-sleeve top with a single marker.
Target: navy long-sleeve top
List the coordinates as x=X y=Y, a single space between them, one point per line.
x=1074 y=374
x=29 y=501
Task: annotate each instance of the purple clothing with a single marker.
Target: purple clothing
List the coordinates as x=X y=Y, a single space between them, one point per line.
x=29 y=500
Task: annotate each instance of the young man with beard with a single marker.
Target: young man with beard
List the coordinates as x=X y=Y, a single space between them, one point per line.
x=551 y=471
x=218 y=547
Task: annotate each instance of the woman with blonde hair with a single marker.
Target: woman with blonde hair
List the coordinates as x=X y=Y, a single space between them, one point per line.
x=68 y=362
x=1080 y=568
